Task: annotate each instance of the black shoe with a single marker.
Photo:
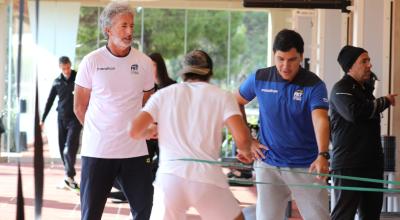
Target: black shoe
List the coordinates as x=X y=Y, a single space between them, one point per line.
x=117 y=197
x=71 y=184
x=240 y=178
x=241 y=174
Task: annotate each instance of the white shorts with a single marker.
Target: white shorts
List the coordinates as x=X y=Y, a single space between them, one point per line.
x=174 y=195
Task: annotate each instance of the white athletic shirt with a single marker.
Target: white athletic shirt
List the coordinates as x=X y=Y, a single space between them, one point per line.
x=190 y=119
x=117 y=85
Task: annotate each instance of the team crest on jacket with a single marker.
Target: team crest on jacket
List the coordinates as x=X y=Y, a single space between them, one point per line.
x=134 y=69
x=298 y=94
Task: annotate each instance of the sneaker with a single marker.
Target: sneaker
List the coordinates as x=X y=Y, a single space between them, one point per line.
x=240 y=178
x=117 y=197
x=241 y=174
x=71 y=184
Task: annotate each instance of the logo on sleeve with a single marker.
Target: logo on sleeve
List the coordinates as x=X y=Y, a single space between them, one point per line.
x=135 y=69
x=298 y=95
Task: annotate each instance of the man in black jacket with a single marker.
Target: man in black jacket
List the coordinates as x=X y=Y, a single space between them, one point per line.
x=355 y=127
x=69 y=128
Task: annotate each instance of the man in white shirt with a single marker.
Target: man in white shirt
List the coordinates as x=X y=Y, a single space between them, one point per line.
x=190 y=117
x=112 y=84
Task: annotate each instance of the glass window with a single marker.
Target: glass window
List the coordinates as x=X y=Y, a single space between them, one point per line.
x=90 y=36
x=236 y=40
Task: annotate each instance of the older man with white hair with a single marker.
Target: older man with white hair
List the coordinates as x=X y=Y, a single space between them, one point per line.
x=112 y=84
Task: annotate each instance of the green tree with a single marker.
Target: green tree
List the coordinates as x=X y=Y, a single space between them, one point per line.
x=163 y=31
x=89 y=35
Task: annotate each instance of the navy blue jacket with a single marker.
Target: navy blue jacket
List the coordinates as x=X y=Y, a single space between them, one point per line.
x=64 y=88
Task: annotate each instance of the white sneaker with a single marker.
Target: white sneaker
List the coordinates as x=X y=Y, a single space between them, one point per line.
x=71 y=184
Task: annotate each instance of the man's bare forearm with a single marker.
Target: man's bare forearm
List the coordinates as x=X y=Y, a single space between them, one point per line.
x=81 y=102
x=80 y=114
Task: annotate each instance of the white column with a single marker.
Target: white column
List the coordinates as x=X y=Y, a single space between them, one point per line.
x=375 y=40
x=278 y=20
x=330 y=28
x=330 y=41
x=304 y=24
x=3 y=62
x=359 y=23
x=3 y=50
x=58 y=28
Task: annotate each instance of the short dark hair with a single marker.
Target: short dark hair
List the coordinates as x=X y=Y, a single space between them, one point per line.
x=64 y=60
x=194 y=76
x=287 y=39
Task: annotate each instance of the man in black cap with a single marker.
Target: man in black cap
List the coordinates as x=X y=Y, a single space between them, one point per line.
x=355 y=127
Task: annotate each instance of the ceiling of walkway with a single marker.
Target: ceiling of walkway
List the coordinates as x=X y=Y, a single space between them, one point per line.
x=177 y=4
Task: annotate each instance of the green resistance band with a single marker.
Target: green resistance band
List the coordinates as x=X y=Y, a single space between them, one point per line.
x=242 y=166
x=318 y=186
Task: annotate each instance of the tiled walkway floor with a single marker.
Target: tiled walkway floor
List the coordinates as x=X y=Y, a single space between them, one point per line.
x=64 y=204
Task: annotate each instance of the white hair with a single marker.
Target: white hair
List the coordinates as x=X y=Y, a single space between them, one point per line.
x=110 y=11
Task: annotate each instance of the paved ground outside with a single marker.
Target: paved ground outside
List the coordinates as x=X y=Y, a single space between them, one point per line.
x=63 y=204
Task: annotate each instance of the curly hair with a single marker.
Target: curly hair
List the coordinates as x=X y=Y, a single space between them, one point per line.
x=110 y=11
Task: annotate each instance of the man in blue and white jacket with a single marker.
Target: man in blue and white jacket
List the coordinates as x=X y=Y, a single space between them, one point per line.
x=294 y=132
